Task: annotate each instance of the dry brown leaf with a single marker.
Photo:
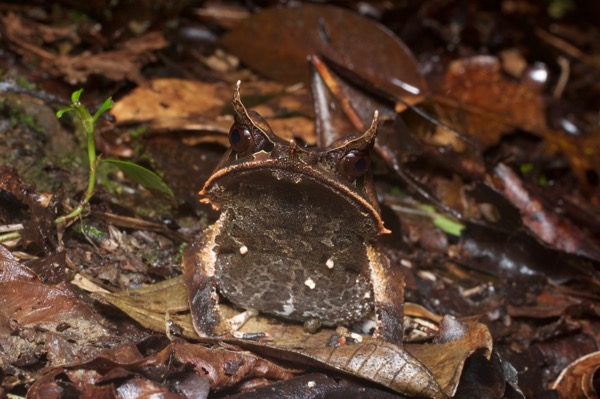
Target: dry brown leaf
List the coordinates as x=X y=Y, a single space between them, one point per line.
x=447 y=357
x=184 y=105
x=582 y=152
x=165 y=296
x=171 y=99
x=489 y=103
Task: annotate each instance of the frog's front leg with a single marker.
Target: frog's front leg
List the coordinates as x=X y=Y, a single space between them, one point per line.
x=199 y=271
x=388 y=290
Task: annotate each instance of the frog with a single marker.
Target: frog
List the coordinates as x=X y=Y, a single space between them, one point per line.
x=297 y=235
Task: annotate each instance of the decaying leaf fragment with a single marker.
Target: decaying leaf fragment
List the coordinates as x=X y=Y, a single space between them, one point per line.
x=225 y=367
x=124 y=62
x=39 y=230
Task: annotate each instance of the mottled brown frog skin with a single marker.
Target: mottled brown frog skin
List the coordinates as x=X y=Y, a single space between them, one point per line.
x=296 y=235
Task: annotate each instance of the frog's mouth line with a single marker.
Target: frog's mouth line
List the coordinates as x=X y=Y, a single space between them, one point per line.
x=287 y=170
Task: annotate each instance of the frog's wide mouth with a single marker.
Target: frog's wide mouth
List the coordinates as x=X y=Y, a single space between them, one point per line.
x=273 y=171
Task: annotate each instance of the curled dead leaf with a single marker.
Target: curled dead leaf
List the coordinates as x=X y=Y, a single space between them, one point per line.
x=576 y=381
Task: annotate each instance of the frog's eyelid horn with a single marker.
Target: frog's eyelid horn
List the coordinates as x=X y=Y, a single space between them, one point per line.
x=359 y=143
x=240 y=113
x=251 y=118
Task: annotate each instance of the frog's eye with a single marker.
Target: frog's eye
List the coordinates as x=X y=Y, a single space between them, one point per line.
x=354 y=164
x=240 y=138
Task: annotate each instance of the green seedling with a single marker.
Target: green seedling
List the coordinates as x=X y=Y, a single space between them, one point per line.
x=139 y=174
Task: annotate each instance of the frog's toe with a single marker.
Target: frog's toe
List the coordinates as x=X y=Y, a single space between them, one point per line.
x=236 y=322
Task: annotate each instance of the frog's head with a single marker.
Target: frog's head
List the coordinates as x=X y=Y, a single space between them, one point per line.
x=338 y=173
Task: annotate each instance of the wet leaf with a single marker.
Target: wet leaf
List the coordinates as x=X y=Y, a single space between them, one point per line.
x=283 y=37
x=191 y=385
x=488 y=378
x=548 y=226
x=48 y=327
x=60 y=305
x=342 y=107
x=12 y=270
x=485 y=250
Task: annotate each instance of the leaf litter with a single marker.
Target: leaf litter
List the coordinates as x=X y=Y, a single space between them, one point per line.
x=497 y=137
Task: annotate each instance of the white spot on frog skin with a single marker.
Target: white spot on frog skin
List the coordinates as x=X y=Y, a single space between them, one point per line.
x=243 y=250
x=367 y=295
x=288 y=307
x=329 y=263
x=356 y=337
x=311 y=384
x=310 y=283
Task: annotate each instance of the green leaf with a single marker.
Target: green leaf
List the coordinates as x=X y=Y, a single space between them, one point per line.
x=141 y=175
x=526 y=168
x=449 y=226
x=75 y=96
x=442 y=222
x=105 y=107
x=60 y=112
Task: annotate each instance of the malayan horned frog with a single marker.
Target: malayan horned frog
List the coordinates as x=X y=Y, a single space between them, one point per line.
x=296 y=234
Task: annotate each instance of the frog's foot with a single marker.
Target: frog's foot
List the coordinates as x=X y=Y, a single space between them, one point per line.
x=236 y=322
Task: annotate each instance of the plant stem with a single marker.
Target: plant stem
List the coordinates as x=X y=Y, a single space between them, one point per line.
x=87 y=122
